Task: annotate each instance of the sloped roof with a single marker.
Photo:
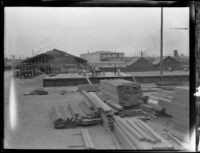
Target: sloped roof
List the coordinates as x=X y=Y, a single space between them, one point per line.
x=183 y=58
x=53 y=53
x=136 y=58
x=157 y=59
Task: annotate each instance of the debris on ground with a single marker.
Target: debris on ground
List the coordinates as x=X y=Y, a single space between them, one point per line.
x=38 y=91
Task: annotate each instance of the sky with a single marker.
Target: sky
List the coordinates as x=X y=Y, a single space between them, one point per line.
x=77 y=30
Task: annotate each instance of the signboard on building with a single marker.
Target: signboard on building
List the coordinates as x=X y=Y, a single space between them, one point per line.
x=111 y=56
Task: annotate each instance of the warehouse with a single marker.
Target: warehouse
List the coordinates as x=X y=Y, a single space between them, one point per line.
x=104 y=58
x=169 y=63
x=134 y=64
x=53 y=61
x=139 y=64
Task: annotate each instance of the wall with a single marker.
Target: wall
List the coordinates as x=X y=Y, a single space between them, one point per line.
x=91 y=57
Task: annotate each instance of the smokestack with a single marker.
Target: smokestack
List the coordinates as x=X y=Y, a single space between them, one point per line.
x=176 y=53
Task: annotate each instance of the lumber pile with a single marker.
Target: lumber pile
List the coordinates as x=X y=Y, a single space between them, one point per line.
x=135 y=134
x=131 y=112
x=123 y=92
x=107 y=121
x=71 y=115
x=149 y=88
x=178 y=108
x=87 y=139
x=102 y=109
x=62 y=117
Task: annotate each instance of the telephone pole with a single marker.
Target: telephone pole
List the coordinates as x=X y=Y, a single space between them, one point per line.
x=161 y=45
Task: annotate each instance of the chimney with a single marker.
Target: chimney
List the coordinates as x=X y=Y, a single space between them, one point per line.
x=176 y=53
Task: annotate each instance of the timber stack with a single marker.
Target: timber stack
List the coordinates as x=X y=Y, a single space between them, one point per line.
x=135 y=134
x=87 y=139
x=178 y=108
x=71 y=115
x=125 y=93
x=105 y=111
x=62 y=117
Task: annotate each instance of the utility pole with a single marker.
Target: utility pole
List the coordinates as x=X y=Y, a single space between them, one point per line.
x=161 y=45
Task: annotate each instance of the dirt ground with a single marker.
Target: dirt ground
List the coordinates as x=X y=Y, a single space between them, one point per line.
x=34 y=126
x=35 y=129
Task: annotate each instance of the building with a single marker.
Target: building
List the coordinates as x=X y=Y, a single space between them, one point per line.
x=139 y=64
x=9 y=63
x=168 y=63
x=133 y=64
x=53 y=61
x=104 y=58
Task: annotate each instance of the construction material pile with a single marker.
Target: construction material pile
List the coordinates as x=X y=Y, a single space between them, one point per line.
x=104 y=110
x=123 y=92
x=87 y=139
x=63 y=117
x=135 y=134
x=38 y=91
x=71 y=115
x=178 y=108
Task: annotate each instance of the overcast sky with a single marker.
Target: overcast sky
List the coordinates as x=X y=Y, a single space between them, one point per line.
x=79 y=30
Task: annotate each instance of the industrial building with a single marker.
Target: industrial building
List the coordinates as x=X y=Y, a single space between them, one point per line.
x=53 y=61
x=104 y=58
x=169 y=63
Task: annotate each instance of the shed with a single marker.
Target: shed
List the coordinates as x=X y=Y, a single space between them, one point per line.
x=139 y=64
x=168 y=62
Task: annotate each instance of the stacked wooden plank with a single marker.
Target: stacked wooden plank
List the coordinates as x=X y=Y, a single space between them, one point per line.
x=62 y=117
x=149 y=88
x=181 y=141
x=131 y=112
x=178 y=108
x=123 y=92
x=114 y=105
x=107 y=121
x=96 y=102
x=101 y=108
x=135 y=134
x=87 y=139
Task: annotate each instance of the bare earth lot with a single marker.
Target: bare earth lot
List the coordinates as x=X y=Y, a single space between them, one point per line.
x=35 y=129
x=34 y=125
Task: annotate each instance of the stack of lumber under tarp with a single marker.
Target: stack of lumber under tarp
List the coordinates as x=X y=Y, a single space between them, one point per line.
x=62 y=117
x=123 y=92
x=135 y=134
x=178 y=108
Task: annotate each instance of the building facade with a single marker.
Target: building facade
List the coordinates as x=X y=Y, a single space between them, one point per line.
x=104 y=58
